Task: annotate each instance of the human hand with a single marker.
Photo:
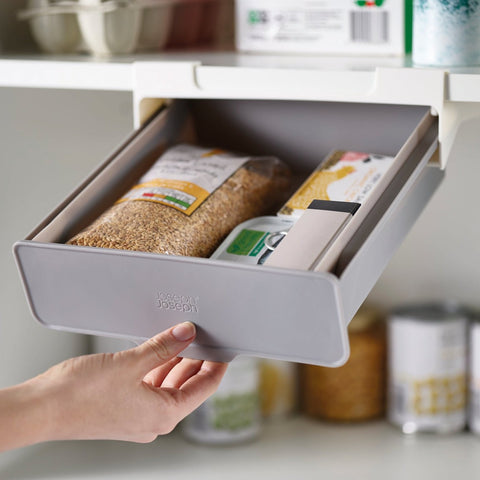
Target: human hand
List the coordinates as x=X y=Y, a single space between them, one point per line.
x=133 y=395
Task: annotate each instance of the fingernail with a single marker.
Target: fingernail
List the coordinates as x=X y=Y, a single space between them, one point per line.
x=184 y=331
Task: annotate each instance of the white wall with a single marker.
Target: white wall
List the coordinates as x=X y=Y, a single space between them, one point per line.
x=440 y=259
x=49 y=141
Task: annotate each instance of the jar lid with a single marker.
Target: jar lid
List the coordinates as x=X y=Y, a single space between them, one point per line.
x=434 y=311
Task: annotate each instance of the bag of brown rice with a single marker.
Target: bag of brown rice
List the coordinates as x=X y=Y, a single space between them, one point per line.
x=188 y=201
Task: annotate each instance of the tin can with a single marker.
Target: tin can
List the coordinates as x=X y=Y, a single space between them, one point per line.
x=232 y=414
x=446 y=33
x=253 y=241
x=427 y=368
x=474 y=374
x=278 y=388
x=354 y=392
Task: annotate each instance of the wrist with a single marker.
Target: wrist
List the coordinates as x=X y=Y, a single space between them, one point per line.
x=24 y=415
x=39 y=399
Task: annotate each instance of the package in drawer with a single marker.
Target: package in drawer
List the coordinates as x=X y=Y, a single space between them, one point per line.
x=325 y=204
x=320 y=209
x=343 y=177
x=188 y=201
x=253 y=241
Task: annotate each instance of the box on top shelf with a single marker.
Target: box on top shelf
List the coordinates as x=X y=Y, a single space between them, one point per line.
x=350 y=27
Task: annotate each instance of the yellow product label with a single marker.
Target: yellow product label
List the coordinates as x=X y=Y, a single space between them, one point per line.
x=439 y=395
x=184 y=177
x=183 y=196
x=344 y=176
x=316 y=187
x=277 y=388
x=215 y=151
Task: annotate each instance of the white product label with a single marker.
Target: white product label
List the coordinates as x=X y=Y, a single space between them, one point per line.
x=356 y=175
x=232 y=413
x=321 y=25
x=184 y=177
x=427 y=373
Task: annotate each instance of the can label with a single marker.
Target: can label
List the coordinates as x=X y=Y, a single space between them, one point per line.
x=232 y=414
x=427 y=363
x=278 y=388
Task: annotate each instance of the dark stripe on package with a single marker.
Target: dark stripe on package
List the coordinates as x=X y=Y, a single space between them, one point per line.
x=331 y=205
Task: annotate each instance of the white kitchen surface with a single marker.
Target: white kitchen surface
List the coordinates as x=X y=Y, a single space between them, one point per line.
x=298 y=448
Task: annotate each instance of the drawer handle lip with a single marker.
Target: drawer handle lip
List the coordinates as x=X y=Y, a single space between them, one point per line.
x=228 y=354
x=206 y=262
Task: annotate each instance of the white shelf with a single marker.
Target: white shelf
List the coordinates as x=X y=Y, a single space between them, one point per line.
x=453 y=94
x=82 y=73
x=329 y=77
x=297 y=448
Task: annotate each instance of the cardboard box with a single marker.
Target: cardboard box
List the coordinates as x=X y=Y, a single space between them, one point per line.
x=348 y=27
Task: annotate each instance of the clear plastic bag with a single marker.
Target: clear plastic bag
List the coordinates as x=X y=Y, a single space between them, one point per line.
x=157 y=216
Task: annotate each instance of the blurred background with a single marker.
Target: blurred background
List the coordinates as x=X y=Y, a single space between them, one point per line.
x=51 y=139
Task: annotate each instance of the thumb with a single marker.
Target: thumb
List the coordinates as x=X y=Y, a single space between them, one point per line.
x=162 y=347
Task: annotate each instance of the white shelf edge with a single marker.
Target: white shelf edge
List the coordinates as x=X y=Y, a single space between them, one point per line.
x=77 y=75
x=463 y=87
x=337 y=78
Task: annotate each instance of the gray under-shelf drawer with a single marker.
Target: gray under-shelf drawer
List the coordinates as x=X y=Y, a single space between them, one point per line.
x=239 y=309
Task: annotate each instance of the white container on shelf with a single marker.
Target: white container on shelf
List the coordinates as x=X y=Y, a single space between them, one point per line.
x=427 y=368
x=156 y=25
x=112 y=28
x=232 y=414
x=53 y=30
x=446 y=33
x=115 y=27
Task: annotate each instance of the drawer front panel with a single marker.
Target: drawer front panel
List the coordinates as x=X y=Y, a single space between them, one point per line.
x=238 y=310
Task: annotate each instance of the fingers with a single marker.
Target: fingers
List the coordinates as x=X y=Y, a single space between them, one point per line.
x=200 y=386
x=157 y=375
x=186 y=369
x=162 y=348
